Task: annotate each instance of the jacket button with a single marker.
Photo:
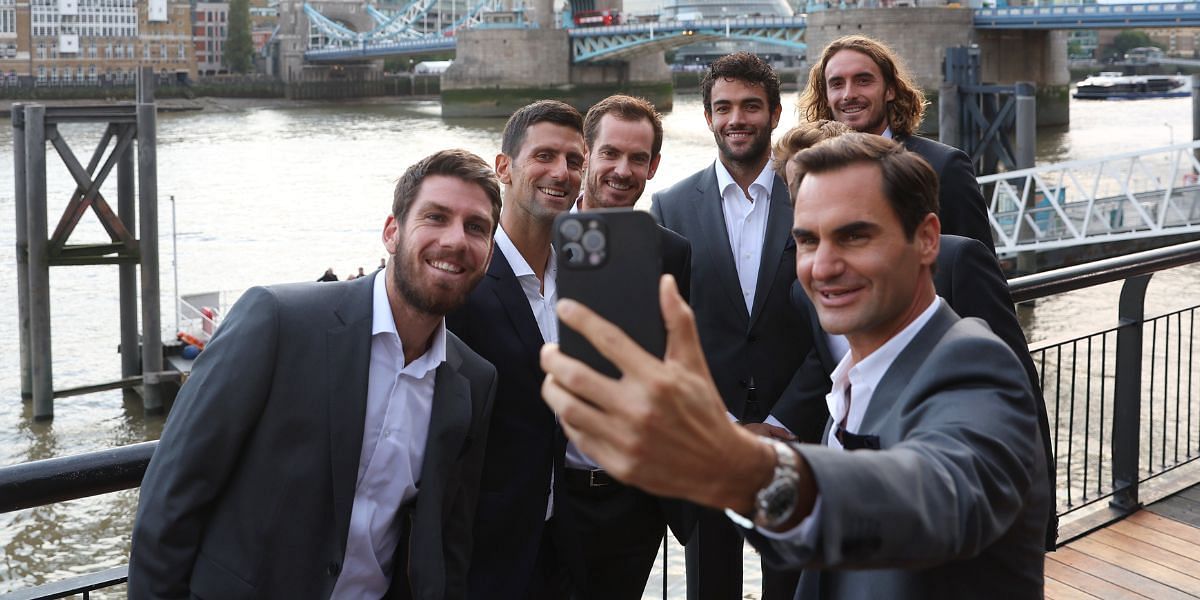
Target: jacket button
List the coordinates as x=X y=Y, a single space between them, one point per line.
x=334 y=569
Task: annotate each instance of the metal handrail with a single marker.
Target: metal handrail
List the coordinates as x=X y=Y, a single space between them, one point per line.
x=1069 y=279
x=51 y=480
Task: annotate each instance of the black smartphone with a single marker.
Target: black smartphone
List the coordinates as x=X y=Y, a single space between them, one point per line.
x=610 y=260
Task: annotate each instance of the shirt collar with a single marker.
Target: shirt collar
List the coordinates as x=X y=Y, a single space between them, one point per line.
x=765 y=179
x=887 y=133
x=382 y=322
x=867 y=372
x=518 y=263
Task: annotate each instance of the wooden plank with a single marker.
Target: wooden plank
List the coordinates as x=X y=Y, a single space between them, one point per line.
x=1121 y=576
x=1086 y=582
x=1158 y=538
x=1146 y=550
x=1179 y=509
x=1057 y=590
x=1165 y=525
x=1142 y=566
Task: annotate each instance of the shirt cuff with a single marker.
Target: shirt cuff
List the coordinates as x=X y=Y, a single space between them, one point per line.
x=771 y=420
x=804 y=534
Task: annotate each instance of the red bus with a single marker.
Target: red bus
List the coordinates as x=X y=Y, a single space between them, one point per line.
x=597 y=18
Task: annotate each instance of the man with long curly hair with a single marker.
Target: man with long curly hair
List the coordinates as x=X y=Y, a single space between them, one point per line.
x=862 y=83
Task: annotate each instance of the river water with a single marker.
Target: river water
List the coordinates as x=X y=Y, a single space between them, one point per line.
x=277 y=194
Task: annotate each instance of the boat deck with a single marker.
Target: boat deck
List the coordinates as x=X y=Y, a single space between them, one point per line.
x=1153 y=553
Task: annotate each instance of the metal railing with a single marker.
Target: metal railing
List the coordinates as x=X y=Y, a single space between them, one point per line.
x=1103 y=391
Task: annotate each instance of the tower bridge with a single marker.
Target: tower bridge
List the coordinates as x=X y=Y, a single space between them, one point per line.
x=514 y=51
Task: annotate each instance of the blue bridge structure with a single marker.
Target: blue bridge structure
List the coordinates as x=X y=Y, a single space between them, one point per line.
x=398 y=33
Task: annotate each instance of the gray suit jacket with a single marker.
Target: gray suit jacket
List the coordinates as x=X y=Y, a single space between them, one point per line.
x=752 y=354
x=250 y=490
x=954 y=503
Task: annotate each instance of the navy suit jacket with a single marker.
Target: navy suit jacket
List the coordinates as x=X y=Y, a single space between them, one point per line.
x=962 y=209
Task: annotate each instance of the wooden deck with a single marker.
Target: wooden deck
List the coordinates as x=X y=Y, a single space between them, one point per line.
x=1154 y=554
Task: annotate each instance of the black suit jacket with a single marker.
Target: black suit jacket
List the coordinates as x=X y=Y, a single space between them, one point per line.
x=524 y=440
x=962 y=209
x=250 y=490
x=969 y=278
x=752 y=355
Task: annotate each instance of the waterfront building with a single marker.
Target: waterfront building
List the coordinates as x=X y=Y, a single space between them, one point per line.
x=93 y=42
x=210 y=26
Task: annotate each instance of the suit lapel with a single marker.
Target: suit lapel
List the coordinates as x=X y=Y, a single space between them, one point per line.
x=449 y=425
x=348 y=357
x=716 y=238
x=775 y=241
x=905 y=366
x=511 y=296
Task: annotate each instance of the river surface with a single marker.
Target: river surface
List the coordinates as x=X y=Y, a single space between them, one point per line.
x=268 y=195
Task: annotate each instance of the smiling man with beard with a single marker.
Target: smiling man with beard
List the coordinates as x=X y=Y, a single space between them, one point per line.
x=737 y=215
x=320 y=413
x=520 y=550
x=862 y=83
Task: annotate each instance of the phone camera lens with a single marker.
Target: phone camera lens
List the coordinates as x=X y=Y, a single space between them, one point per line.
x=574 y=252
x=593 y=241
x=571 y=229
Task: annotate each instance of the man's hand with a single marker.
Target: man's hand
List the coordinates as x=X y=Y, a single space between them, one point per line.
x=662 y=425
x=770 y=431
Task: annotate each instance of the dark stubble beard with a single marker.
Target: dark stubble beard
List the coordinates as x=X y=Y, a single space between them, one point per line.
x=421 y=300
x=755 y=153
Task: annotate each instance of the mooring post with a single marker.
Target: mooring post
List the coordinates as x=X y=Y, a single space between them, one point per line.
x=1025 y=123
x=1196 y=113
x=131 y=360
x=949 y=116
x=41 y=374
x=22 y=227
x=152 y=353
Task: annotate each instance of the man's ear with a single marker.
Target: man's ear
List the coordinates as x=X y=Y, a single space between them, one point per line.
x=929 y=239
x=391 y=234
x=653 y=167
x=504 y=168
x=775 y=116
x=891 y=94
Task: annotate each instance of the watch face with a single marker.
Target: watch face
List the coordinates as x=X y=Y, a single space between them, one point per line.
x=777 y=501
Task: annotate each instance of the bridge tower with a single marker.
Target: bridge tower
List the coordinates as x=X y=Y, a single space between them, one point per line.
x=294 y=32
x=498 y=69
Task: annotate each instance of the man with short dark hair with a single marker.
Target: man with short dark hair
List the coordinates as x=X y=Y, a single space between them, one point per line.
x=862 y=83
x=736 y=213
x=290 y=464
x=520 y=552
x=617 y=528
x=928 y=480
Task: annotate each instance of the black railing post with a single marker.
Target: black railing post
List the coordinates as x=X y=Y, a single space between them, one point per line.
x=1127 y=403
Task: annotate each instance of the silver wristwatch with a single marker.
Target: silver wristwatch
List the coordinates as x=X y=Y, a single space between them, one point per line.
x=775 y=503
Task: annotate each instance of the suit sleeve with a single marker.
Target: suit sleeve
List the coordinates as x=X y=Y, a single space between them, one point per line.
x=656 y=210
x=962 y=208
x=459 y=524
x=212 y=417
x=954 y=484
x=801 y=408
x=683 y=279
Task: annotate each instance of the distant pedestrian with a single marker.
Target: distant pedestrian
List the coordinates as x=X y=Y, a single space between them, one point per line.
x=328 y=276
x=382 y=264
x=360 y=273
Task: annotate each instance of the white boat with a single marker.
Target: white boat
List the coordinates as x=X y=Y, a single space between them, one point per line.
x=1111 y=85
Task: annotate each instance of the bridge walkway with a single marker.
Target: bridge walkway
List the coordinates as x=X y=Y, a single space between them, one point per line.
x=1153 y=553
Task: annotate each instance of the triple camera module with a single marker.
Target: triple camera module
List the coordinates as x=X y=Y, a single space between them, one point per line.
x=585 y=241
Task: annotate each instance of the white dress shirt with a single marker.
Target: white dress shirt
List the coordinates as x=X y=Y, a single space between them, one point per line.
x=746 y=224
x=862 y=378
x=399 y=405
x=541 y=296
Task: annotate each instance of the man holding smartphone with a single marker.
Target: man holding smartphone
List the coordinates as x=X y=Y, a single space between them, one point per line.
x=736 y=213
x=618 y=528
x=519 y=547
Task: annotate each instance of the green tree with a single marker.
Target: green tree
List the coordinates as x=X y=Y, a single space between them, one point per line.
x=1128 y=40
x=239 y=48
